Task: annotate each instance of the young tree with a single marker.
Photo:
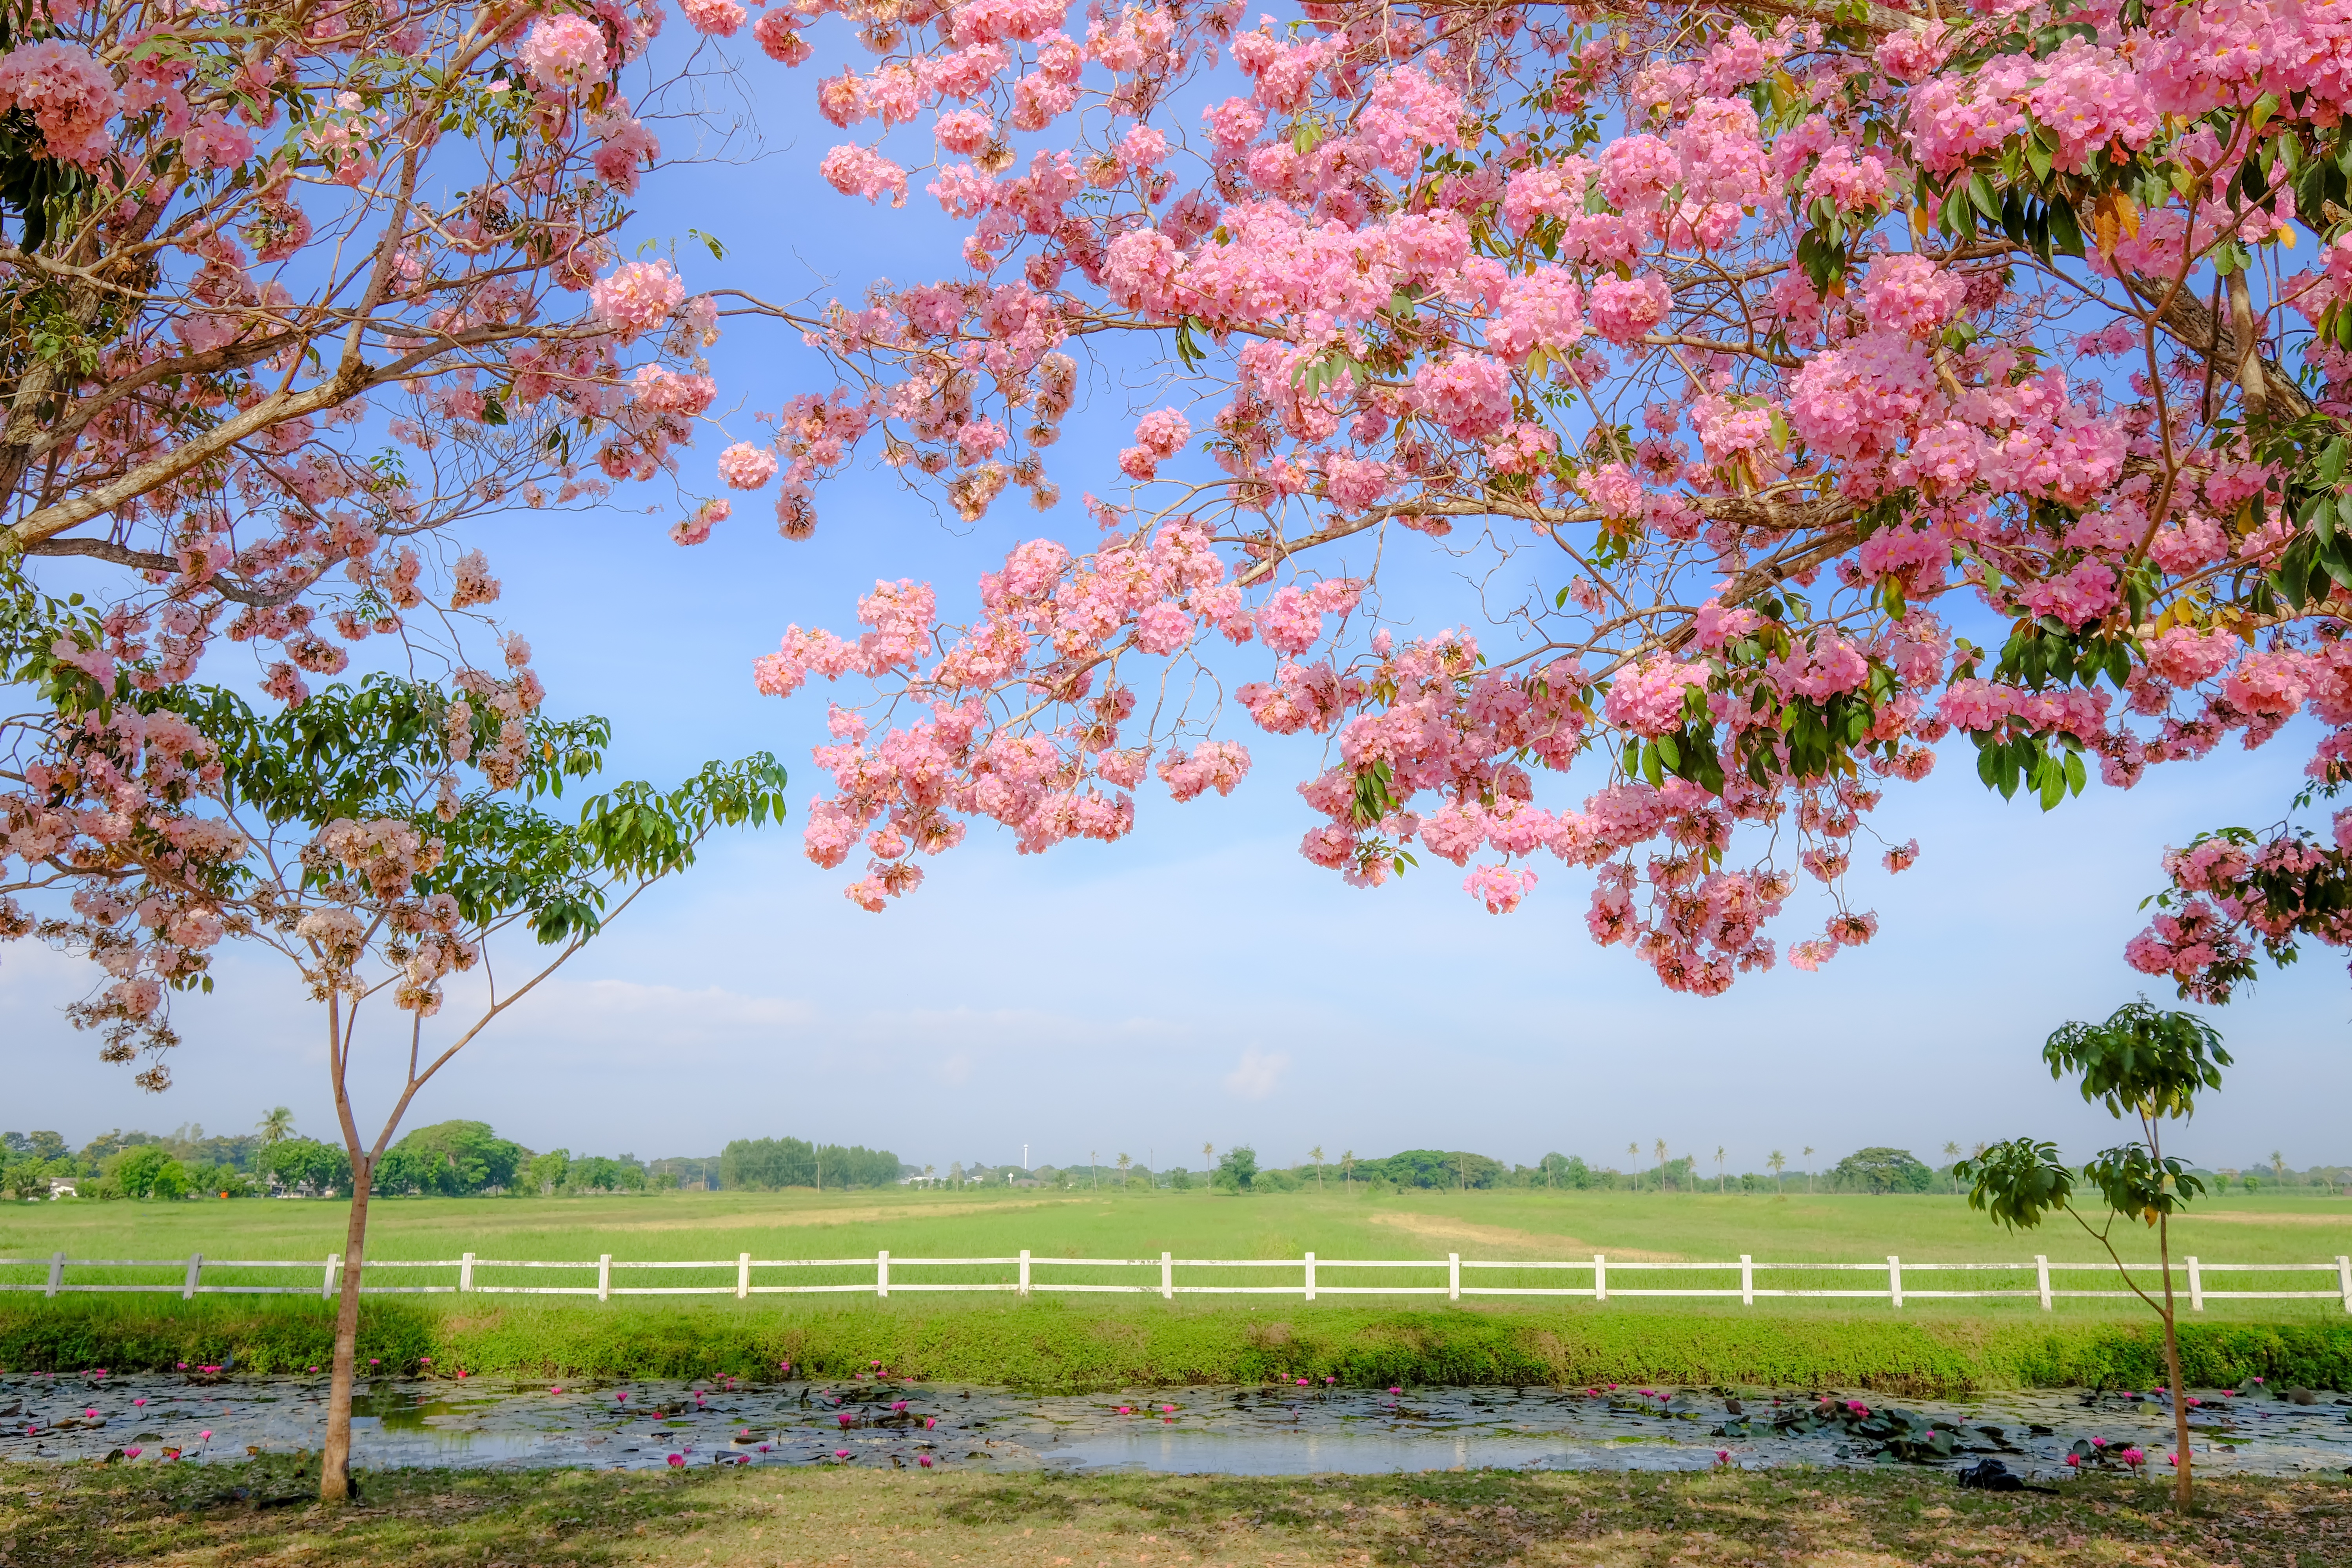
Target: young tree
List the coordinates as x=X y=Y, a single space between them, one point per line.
x=2150 y=1066
x=335 y=834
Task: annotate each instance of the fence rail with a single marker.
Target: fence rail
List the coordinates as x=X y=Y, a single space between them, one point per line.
x=2189 y=1277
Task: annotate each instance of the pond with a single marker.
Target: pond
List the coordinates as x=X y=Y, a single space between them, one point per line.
x=1268 y=1430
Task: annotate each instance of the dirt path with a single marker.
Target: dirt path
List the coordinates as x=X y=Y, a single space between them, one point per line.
x=1555 y=1246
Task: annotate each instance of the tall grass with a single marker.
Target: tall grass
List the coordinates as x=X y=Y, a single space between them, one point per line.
x=1057 y=1345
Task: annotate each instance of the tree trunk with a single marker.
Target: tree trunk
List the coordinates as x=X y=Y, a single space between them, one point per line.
x=2181 y=1484
x=335 y=1462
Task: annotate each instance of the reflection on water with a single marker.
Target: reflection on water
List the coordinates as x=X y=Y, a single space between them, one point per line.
x=1261 y=1431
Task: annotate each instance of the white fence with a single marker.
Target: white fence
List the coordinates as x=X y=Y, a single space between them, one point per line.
x=883 y=1274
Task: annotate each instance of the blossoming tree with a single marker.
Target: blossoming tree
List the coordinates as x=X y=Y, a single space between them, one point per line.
x=1774 y=348
x=291 y=295
x=335 y=833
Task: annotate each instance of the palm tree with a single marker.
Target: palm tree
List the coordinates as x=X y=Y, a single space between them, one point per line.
x=1315 y=1154
x=277 y=1127
x=1093 y=1168
x=1779 y=1162
x=1662 y=1165
x=1952 y=1151
x=2278 y=1167
x=1722 y=1180
x=1209 y=1153
x=1808 y=1167
x=1348 y=1170
x=1123 y=1164
x=1634 y=1156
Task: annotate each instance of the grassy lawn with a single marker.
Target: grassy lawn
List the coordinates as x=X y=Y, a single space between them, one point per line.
x=88 y=1515
x=2232 y=1229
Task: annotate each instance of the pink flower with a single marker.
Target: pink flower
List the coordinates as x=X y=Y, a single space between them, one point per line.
x=564 y=52
x=779 y=40
x=924 y=1460
x=132 y=1452
x=719 y=18
x=68 y=95
x=638 y=297
x=1623 y=309
x=678 y=1461
x=857 y=170
x=1468 y=395
x=745 y=466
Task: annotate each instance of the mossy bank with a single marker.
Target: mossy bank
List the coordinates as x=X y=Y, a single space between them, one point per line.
x=1056 y=1346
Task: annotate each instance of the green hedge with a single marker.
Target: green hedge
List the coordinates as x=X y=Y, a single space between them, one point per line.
x=1052 y=1346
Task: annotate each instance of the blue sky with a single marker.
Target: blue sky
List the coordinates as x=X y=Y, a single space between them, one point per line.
x=1200 y=982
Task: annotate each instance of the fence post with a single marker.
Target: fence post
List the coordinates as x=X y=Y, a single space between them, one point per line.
x=742 y=1275
x=196 y=1273
x=605 y=1278
x=1454 y=1277
x=1024 y=1272
x=2196 y=1287
x=2042 y=1269
x=1895 y=1279
x=882 y=1274
x=327 y=1284
x=1310 y=1277
x=2344 y=1278
x=466 y=1272
x=56 y=1273
x=1747 y=1280
x=1167 y=1277
x=1600 y=1277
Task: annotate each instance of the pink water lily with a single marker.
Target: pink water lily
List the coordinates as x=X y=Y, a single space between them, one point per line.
x=924 y=1460
x=678 y=1461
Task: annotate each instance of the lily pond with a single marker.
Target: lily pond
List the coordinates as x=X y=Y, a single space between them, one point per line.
x=1302 y=1429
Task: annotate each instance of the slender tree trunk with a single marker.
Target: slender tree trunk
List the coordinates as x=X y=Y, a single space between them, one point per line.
x=2181 y=1484
x=335 y=1462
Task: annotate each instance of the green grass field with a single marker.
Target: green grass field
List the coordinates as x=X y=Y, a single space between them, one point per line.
x=1101 y=1340
x=1509 y=1224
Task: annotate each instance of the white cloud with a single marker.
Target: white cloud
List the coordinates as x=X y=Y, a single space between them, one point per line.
x=1259 y=1073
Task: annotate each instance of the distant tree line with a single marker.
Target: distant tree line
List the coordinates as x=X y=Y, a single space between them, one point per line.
x=467 y=1159
x=450 y=1159
x=770 y=1165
